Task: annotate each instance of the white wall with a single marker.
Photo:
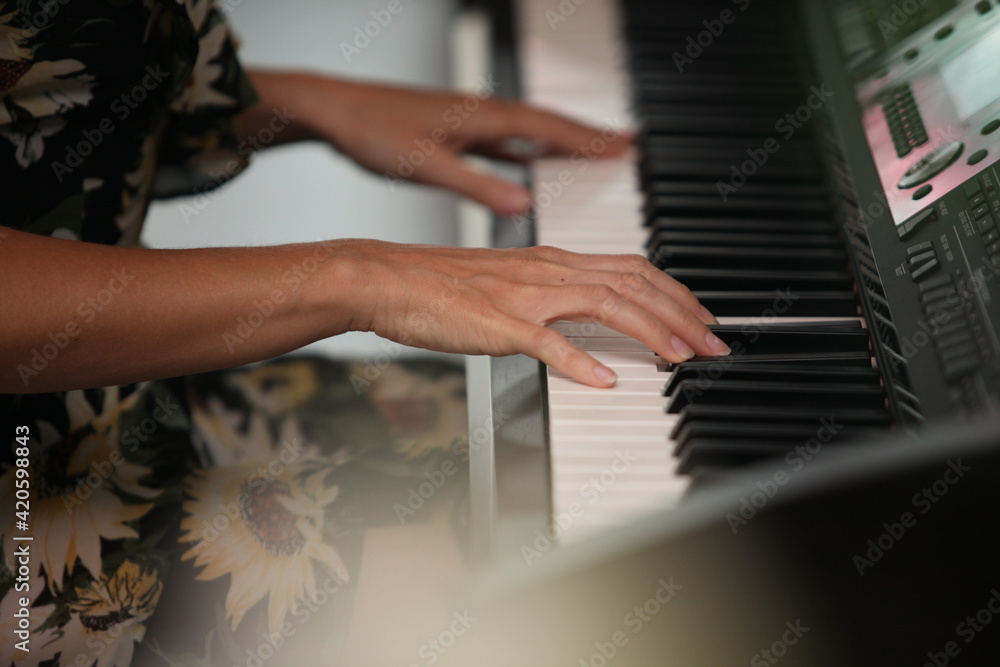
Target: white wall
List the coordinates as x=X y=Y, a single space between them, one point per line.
x=308 y=192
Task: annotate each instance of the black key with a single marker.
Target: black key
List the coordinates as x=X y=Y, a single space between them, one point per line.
x=826 y=395
x=813 y=325
x=708 y=452
x=727 y=238
x=755 y=342
x=751 y=189
x=788 y=435
x=817 y=358
x=868 y=418
x=818 y=259
x=771 y=373
x=734 y=224
x=714 y=207
x=715 y=280
x=805 y=304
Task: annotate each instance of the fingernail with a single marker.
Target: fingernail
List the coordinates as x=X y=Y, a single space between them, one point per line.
x=682 y=348
x=716 y=345
x=708 y=317
x=605 y=374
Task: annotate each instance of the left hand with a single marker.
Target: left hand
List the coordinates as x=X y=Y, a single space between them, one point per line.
x=421 y=135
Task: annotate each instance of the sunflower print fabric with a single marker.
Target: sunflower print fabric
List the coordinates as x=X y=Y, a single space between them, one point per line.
x=188 y=521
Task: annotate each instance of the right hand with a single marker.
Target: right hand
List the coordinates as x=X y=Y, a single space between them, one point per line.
x=500 y=302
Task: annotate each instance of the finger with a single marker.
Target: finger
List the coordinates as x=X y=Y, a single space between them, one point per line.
x=631 y=264
x=551 y=133
x=450 y=171
x=654 y=319
x=551 y=348
x=672 y=332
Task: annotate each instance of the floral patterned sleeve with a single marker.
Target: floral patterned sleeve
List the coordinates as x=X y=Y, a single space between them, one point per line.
x=103 y=105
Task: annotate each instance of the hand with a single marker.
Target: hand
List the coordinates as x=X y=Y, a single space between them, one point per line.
x=499 y=302
x=421 y=135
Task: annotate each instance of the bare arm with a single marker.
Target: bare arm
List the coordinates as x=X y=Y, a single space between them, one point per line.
x=381 y=126
x=83 y=315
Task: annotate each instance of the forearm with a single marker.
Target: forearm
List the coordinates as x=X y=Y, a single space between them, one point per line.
x=82 y=315
x=289 y=101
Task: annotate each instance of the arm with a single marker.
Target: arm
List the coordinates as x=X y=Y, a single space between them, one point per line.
x=82 y=315
x=380 y=126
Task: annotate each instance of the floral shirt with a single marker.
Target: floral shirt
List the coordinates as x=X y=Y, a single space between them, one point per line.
x=246 y=486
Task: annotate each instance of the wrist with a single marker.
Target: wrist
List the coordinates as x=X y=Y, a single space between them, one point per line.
x=335 y=280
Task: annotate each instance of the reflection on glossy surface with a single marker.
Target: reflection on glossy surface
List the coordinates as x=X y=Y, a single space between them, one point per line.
x=257 y=516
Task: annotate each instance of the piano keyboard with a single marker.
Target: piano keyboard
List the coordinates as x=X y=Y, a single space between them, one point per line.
x=767 y=260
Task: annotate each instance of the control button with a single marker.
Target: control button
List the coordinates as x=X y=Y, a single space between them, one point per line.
x=952 y=327
x=944 y=32
x=993 y=248
x=931 y=165
x=981 y=211
x=955 y=339
x=911 y=54
x=916 y=221
x=991 y=126
x=919 y=248
x=933 y=295
x=925 y=269
x=985 y=224
x=991 y=237
x=964 y=350
x=953 y=370
x=922 y=191
x=931 y=307
x=934 y=283
x=978 y=156
x=983 y=6
x=949 y=315
x=977 y=200
x=922 y=257
x=972 y=188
